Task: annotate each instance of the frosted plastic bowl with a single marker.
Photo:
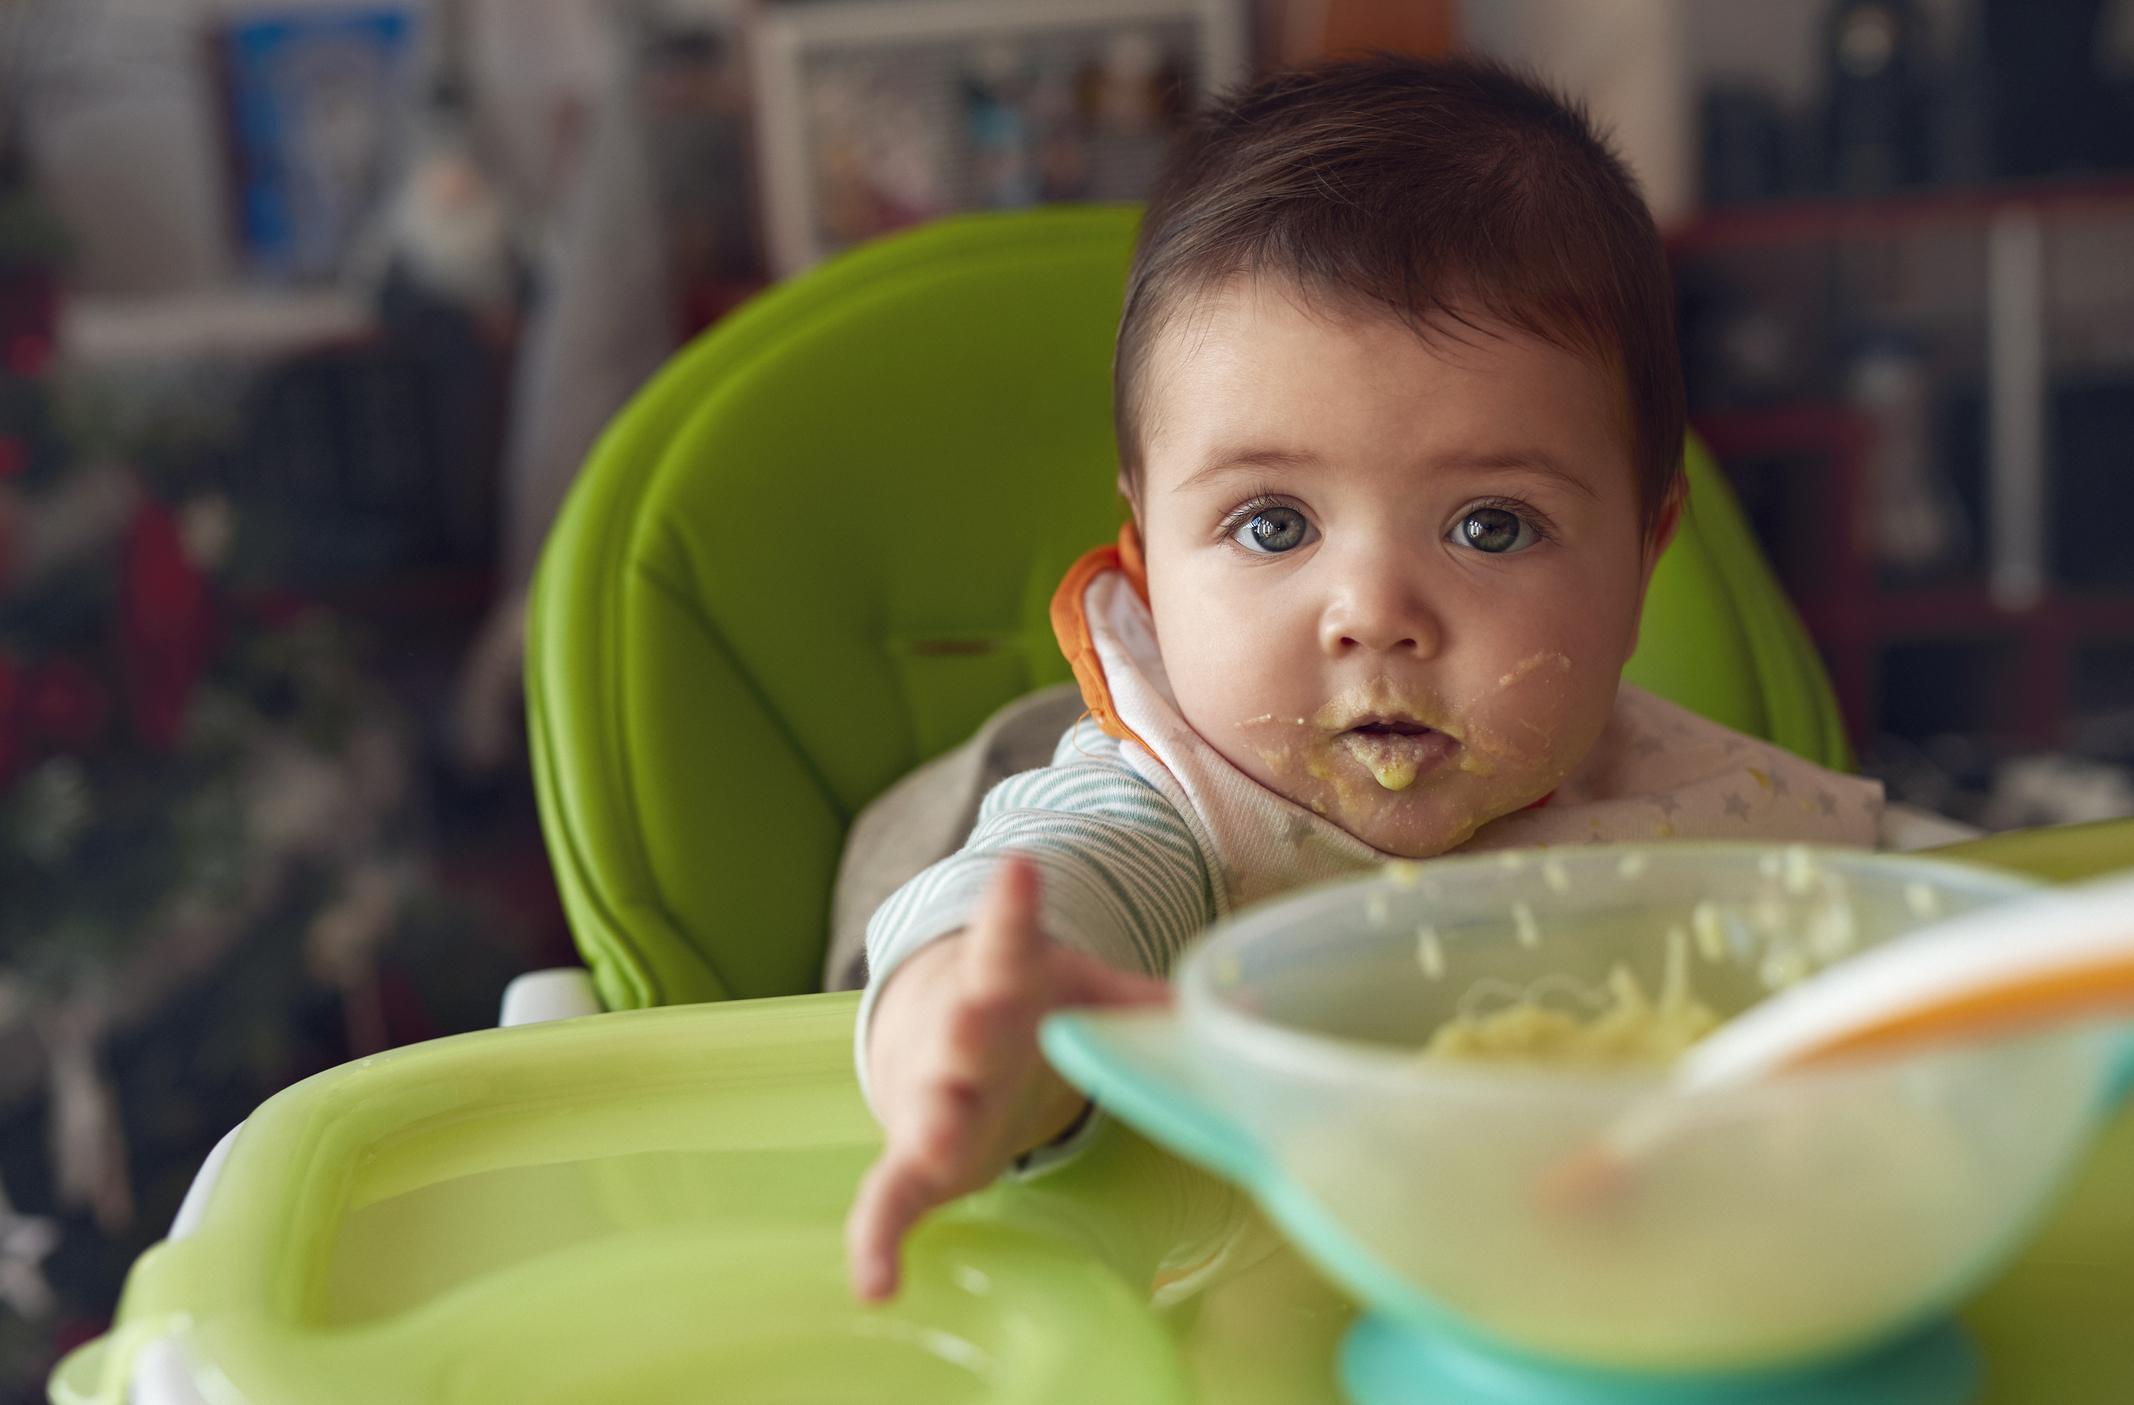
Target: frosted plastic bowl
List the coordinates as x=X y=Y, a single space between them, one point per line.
x=1789 y=1223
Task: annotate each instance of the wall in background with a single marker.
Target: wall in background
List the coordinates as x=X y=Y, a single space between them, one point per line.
x=1627 y=60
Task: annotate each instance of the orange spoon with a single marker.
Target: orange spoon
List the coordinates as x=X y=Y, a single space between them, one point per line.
x=2060 y=957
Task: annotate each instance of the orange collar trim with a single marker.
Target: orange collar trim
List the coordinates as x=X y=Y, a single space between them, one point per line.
x=1070 y=624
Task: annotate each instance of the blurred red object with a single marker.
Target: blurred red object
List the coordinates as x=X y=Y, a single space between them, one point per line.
x=64 y=706
x=14 y=456
x=28 y=354
x=29 y=316
x=272 y=606
x=166 y=626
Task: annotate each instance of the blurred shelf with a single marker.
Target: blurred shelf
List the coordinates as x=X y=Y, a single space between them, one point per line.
x=1817 y=219
x=228 y=324
x=1970 y=609
x=1943 y=651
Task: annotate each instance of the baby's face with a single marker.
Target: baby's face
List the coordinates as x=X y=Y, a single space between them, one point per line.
x=1394 y=581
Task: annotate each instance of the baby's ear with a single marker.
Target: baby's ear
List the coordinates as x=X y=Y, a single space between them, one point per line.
x=1664 y=527
x=1656 y=543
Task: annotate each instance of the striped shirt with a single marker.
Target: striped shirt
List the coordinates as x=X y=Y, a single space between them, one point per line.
x=1121 y=875
x=1123 y=878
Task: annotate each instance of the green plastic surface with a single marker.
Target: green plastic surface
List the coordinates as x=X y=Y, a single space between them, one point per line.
x=645 y=1207
x=819 y=547
x=814 y=552
x=2059 y=853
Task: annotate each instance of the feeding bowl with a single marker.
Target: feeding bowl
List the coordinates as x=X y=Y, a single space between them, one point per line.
x=1819 y=1218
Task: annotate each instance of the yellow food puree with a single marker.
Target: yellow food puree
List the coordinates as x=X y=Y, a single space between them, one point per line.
x=1626 y=1028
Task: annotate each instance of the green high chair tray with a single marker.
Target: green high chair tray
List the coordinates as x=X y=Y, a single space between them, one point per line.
x=645 y=1206
x=815 y=551
x=641 y=1206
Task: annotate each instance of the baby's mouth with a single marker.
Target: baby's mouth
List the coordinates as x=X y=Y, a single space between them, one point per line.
x=1395 y=750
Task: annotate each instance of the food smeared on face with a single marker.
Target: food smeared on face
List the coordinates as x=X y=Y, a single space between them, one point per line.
x=1527 y=666
x=1355 y=756
x=1379 y=731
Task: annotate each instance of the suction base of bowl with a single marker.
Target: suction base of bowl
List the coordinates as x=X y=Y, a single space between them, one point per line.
x=1386 y=1364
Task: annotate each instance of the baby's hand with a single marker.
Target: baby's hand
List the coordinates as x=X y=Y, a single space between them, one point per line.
x=955 y=1071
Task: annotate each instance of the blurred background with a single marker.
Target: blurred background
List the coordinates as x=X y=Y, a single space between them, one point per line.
x=309 y=310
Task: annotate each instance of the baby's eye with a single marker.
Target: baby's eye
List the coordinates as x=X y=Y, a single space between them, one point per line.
x=1495 y=530
x=1272 y=530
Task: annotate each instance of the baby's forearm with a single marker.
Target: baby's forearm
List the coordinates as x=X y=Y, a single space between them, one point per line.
x=923 y=1015
x=954 y=1068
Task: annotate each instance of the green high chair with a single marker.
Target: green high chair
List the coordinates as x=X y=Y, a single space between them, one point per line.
x=819 y=548
x=814 y=552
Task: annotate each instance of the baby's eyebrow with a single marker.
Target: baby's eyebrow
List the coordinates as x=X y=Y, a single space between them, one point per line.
x=1531 y=461
x=1259 y=460
x=1249 y=460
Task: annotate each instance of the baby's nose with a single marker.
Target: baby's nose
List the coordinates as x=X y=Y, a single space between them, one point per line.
x=1381 y=613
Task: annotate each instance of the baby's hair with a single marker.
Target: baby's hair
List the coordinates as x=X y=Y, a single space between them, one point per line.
x=1449 y=194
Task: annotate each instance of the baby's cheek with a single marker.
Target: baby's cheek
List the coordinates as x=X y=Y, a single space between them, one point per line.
x=1535 y=722
x=1282 y=753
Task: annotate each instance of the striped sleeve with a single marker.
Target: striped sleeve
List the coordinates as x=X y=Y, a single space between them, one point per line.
x=1121 y=877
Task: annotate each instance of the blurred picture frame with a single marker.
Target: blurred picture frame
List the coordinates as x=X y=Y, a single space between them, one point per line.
x=316 y=104
x=876 y=114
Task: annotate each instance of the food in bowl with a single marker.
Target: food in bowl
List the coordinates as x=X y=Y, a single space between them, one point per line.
x=1617 y=1026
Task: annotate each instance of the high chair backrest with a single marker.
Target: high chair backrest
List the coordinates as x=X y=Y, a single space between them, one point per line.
x=818 y=549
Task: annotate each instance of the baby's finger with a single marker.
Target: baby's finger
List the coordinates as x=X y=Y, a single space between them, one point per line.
x=882 y=1213
x=1005 y=946
x=930 y=1161
x=911 y=1177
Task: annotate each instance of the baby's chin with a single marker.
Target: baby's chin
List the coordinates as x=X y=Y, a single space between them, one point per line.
x=1416 y=824
x=1399 y=769
x=1410 y=797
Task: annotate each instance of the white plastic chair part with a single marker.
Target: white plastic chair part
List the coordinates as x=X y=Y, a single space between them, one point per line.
x=162 y=1375
x=563 y=993
x=1907 y=827
x=194 y=1207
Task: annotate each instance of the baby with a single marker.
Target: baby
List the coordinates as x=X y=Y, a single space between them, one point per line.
x=1400 y=417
